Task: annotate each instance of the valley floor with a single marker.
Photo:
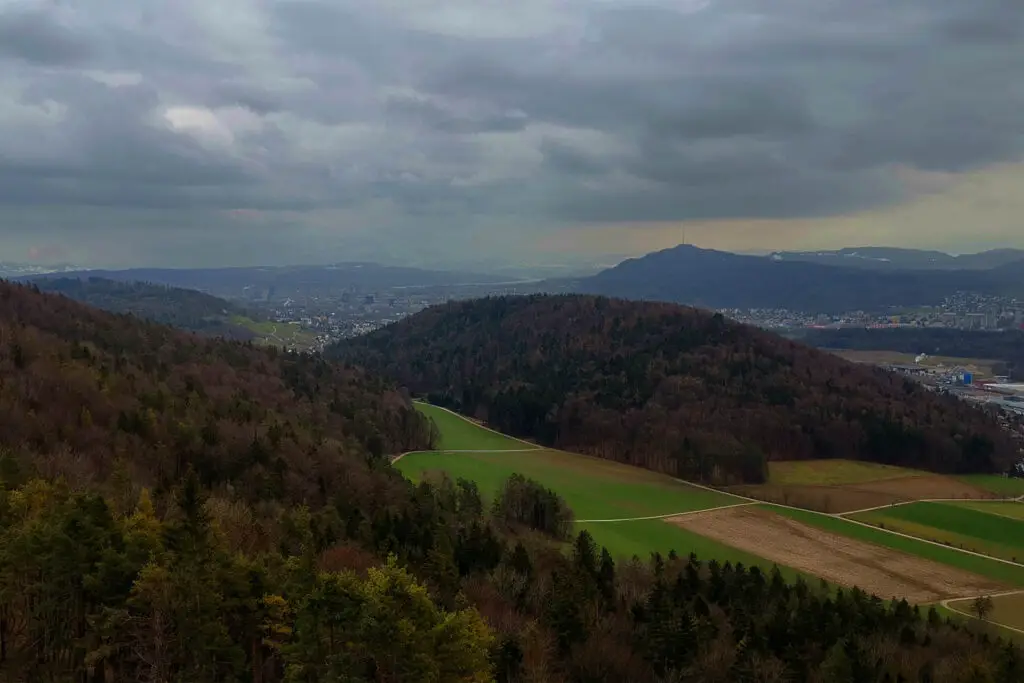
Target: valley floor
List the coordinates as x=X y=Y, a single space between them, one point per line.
x=875 y=531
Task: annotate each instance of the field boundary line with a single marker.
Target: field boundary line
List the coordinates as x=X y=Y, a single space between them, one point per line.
x=533 y=446
x=945 y=603
x=865 y=524
x=932 y=500
x=669 y=515
x=398 y=457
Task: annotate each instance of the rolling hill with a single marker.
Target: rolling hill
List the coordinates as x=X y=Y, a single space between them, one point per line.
x=716 y=279
x=84 y=390
x=185 y=309
x=175 y=507
x=670 y=388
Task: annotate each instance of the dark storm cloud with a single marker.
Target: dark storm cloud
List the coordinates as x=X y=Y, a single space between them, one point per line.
x=35 y=36
x=456 y=114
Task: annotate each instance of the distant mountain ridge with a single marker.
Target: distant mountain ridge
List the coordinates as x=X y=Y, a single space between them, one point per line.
x=718 y=279
x=893 y=258
x=185 y=309
x=241 y=281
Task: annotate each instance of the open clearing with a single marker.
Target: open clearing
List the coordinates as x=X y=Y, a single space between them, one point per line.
x=593 y=488
x=459 y=433
x=617 y=502
x=836 y=558
x=860 y=496
x=961 y=527
x=834 y=472
x=1005 y=487
x=981 y=367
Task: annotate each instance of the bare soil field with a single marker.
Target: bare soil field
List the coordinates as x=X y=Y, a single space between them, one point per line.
x=981 y=367
x=837 y=559
x=849 y=497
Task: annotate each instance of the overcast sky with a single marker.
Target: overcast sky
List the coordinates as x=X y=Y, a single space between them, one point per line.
x=203 y=132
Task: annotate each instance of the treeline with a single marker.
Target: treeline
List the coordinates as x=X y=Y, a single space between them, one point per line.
x=1006 y=346
x=93 y=396
x=186 y=309
x=672 y=389
x=91 y=594
x=209 y=512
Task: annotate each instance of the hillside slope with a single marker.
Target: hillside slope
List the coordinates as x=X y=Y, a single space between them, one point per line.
x=671 y=388
x=716 y=279
x=186 y=309
x=82 y=390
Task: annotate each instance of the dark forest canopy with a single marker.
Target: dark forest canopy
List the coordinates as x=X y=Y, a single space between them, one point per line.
x=187 y=309
x=174 y=508
x=82 y=390
x=1006 y=346
x=671 y=388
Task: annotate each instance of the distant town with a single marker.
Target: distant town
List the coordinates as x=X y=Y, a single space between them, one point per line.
x=351 y=313
x=963 y=310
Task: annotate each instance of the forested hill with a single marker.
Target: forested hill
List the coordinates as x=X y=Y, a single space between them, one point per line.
x=716 y=279
x=671 y=388
x=174 y=508
x=84 y=392
x=186 y=309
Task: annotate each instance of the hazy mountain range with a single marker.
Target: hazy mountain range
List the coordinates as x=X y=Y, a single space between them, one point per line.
x=717 y=279
x=816 y=282
x=892 y=258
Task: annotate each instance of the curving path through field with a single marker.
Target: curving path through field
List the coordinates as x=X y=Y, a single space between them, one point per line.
x=947 y=605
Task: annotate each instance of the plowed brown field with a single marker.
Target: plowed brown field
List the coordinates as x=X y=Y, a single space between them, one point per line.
x=838 y=559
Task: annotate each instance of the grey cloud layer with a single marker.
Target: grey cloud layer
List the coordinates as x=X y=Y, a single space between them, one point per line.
x=433 y=115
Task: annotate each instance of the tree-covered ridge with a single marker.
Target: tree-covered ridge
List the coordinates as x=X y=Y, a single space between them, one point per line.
x=671 y=388
x=181 y=509
x=87 y=394
x=186 y=309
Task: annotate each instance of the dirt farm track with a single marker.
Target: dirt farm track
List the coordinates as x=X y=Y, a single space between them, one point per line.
x=848 y=497
x=838 y=559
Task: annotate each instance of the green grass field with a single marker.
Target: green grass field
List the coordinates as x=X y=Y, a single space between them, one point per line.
x=833 y=472
x=277 y=334
x=993 y=569
x=1003 y=486
x=593 y=488
x=640 y=538
x=968 y=528
x=1000 y=508
x=458 y=433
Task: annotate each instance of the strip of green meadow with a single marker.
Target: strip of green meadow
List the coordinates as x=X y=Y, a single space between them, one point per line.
x=642 y=537
x=1000 y=508
x=593 y=488
x=963 y=527
x=1009 y=487
x=458 y=433
x=999 y=571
